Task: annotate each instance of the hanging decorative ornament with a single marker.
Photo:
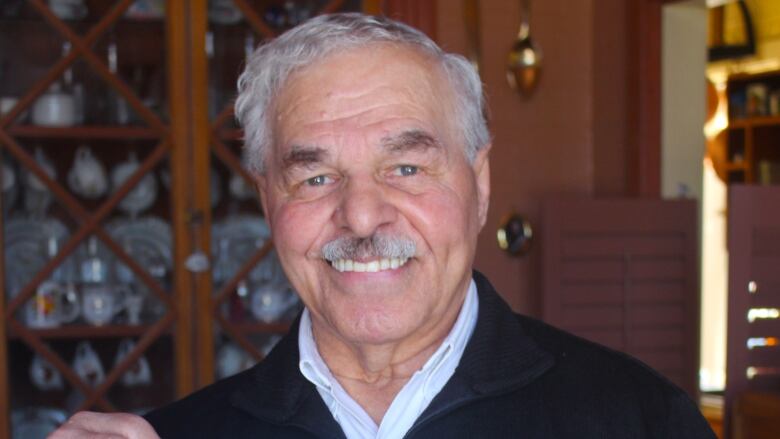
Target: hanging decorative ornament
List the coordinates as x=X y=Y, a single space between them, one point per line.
x=525 y=59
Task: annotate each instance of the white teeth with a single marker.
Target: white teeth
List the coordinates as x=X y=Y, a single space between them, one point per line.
x=368 y=267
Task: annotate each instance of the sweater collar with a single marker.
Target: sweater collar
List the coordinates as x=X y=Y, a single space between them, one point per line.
x=499 y=357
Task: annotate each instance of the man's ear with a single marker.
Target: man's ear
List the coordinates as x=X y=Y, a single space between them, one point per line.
x=482 y=174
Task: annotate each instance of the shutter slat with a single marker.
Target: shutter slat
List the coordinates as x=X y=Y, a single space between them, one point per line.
x=624 y=273
x=754 y=257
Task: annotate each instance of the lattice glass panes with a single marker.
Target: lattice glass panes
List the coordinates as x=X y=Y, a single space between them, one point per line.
x=142 y=384
x=236 y=27
x=88 y=254
x=132 y=52
x=252 y=298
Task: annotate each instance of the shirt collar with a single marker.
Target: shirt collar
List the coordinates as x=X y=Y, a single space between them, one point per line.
x=413 y=398
x=315 y=370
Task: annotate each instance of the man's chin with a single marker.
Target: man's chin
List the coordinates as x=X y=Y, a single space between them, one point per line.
x=373 y=320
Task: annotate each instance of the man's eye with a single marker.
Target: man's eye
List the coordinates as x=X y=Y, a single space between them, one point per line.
x=406 y=170
x=319 y=180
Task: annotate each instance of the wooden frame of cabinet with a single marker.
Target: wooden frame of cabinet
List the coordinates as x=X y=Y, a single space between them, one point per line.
x=88 y=222
x=188 y=140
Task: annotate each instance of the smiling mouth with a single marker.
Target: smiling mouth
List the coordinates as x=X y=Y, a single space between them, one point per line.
x=348 y=265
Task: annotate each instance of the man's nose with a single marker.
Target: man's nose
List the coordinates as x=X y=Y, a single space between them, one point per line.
x=365 y=207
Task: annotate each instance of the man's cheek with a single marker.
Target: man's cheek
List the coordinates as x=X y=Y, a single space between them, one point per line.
x=295 y=233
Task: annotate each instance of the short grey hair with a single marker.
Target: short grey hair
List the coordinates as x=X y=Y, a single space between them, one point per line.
x=269 y=67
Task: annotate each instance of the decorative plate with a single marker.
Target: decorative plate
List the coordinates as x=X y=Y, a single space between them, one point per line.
x=234 y=241
x=29 y=244
x=148 y=240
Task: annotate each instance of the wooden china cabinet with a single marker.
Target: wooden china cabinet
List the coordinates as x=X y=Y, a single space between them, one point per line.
x=122 y=179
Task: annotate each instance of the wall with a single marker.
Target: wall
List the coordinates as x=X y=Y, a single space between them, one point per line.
x=567 y=139
x=684 y=63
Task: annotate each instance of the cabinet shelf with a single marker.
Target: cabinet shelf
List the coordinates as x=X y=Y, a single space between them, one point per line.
x=263 y=328
x=754 y=122
x=87 y=331
x=742 y=166
x=753 y=133
x=85 y=132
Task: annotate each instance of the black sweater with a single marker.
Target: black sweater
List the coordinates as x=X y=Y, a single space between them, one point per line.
x=518 y=377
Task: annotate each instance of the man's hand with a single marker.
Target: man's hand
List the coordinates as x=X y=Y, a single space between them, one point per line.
x=91 y=425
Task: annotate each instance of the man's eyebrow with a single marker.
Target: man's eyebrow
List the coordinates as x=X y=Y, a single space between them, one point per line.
x=300 y=155
x=410 y=140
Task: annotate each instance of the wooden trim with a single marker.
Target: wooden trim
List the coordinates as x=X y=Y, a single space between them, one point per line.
x=254 y=20
x=84 y=132
x=5 y=390
x=372 y=7
x=420 y=14
x=200 y=174
x=178 y=97
x=644 y=101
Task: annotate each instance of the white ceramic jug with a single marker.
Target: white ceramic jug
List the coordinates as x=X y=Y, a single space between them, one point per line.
x=87 y=177
x=51 y=306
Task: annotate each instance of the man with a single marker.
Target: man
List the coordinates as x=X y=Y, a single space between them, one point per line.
x=371 y=157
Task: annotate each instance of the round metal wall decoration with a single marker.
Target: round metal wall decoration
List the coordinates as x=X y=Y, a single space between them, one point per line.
x=515 y=235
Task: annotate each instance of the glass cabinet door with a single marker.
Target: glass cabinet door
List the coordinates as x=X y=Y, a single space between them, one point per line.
x=87 y=239
x=251 y=302
x=129 y=279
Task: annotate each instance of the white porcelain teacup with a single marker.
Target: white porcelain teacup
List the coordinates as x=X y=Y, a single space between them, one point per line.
x=134 y=305
x=269 y=303
x=87 y=365
x=231 y=359
x=139 y=373
x=224 y=12
x=7 y=103
x=100 y=303
x=52 y=305
x=68 y=9
x=44 y=375
x=9 y=186
x=87 y=177
x=32 y=181
x=143 y=194
x=55 y=108
x=240 y=189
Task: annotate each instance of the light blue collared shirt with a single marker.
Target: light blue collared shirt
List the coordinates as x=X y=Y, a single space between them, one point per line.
x=413 y=398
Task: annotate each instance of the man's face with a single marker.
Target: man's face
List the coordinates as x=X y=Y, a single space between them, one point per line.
x=365 y=145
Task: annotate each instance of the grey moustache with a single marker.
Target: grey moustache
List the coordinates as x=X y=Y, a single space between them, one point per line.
x=373 y=247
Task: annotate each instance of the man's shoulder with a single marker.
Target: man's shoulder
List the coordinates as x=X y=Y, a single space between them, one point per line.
x=204 y=410
x=590 y=380
x=573 y=357
x=583 y=359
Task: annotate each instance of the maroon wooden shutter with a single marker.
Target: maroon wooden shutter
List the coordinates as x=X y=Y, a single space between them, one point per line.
x=624 y=273
x=753 y=354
